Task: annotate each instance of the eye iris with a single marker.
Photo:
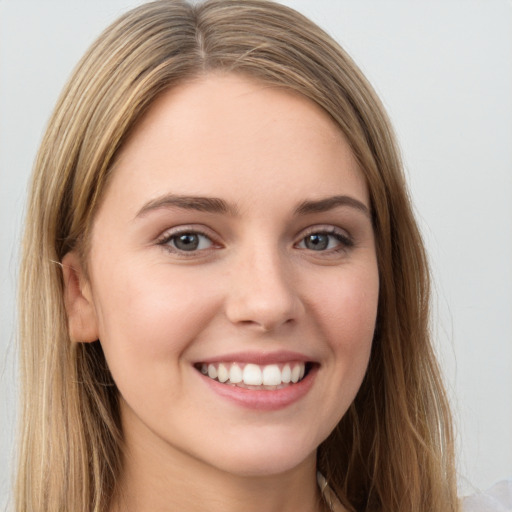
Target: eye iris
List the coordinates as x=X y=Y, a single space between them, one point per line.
x=187 y=242
x=317 y=241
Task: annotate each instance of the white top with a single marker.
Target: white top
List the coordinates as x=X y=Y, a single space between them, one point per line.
x=497 y=499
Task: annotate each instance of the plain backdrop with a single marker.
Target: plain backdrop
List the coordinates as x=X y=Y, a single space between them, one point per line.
x=444 y=71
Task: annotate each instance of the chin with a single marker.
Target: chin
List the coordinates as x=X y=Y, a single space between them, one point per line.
x=261 y=458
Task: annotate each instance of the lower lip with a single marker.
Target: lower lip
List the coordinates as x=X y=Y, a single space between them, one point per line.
x=263 y=400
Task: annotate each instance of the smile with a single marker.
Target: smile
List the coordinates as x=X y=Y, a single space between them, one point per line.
x=254 y=376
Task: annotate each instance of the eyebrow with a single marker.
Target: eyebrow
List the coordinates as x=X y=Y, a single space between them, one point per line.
x=329 y=203
x=217 y=205
x=201 y=204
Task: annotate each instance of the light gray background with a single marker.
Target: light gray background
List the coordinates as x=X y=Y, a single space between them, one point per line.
x=444 y=71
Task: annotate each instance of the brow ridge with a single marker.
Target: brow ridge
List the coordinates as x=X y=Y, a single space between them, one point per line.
x=329 y=203
x=198 y=203
x=217 y=205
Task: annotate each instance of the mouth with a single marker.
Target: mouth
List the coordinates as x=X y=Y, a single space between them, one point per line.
x=267 y=377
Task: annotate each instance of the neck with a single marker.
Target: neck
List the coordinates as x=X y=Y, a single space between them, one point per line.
x=159 y=478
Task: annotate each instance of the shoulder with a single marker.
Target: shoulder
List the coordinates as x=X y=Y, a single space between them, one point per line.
x=497 y=499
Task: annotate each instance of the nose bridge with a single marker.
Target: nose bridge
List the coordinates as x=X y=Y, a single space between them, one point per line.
x=262 y=290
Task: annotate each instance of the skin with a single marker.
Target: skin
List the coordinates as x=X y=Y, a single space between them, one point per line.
x=254 y=285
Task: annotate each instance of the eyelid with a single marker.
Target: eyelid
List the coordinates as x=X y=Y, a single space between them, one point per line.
x=164 y=239
x=327 y=229
x=345 y=239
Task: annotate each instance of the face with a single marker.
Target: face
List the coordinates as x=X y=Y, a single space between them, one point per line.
x=232 y=277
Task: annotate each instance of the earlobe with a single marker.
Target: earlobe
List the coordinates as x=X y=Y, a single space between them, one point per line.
x=82 y=319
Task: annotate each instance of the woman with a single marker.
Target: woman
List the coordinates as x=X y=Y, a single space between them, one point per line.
x=225 y=290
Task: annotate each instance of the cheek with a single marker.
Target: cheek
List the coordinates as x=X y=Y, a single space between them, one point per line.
x=348 y=311
x=345 y=313
x=151 y=312
x=148 y=320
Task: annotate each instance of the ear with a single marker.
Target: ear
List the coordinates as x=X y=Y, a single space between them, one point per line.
x=82 y=318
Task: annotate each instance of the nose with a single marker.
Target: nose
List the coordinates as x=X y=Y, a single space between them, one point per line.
x=262 y=291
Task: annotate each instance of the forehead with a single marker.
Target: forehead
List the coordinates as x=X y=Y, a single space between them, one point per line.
x=224 y=131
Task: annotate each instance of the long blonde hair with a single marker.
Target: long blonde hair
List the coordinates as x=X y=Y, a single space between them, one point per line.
x=393 y=450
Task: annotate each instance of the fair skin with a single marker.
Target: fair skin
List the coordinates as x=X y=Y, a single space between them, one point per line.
x=235 y=232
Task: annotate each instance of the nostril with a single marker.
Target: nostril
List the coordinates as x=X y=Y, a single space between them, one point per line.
x=263 y=317
x=262 y=292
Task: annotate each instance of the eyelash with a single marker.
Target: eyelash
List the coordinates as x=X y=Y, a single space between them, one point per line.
x=166 y=240
x=345 y=241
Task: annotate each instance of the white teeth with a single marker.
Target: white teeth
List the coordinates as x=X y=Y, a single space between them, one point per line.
x=271 y=375
x=235 y=374
x=296 y=374
x=222 y=373
x=250 y=374
x=286 y=376
x=212 y=371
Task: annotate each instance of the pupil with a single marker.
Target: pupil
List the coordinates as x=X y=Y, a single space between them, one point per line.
x=187 y=242
x=317 y=242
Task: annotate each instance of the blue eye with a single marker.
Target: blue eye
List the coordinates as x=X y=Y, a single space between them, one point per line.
x=325 y=241
x=188 y=241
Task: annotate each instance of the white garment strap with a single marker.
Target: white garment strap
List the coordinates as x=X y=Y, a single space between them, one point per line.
x=328 y=495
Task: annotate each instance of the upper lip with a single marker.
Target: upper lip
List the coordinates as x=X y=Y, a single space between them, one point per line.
x=260 y=358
